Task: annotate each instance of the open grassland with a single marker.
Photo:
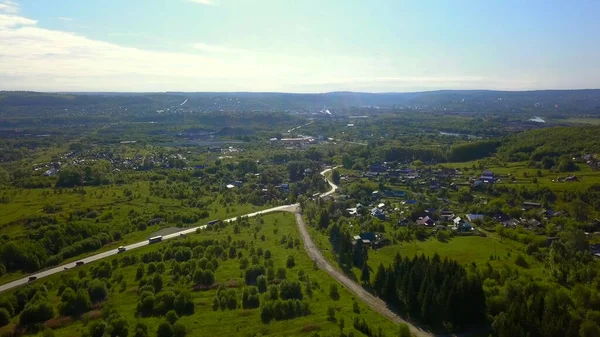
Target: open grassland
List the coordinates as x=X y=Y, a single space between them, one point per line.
x=108 y=207
x=466 y=250
x=238 y=322
x=588 y=121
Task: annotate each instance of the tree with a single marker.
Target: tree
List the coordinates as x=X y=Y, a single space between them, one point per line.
x=331 y=314
x=589 y=329
x=172 y=316
x=164 y=330
x=179 y=330
x=4 y=317
x=365 y=276
x=547 y=163
x=97 y=291
x=335 y=177
x=261 y=283
x=141 y=330
x=97 y=328
x=118 y=326
x=334 y=292
x=290 y=262
x=404 y=331
x=157 y=282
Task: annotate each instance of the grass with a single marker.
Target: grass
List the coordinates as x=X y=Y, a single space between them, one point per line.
x=466 y=250
x=588 y=121
x=245 y=322
x=30 y=202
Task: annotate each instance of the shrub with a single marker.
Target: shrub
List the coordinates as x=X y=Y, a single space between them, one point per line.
x=172 y=316
x=520 y=261
x=179 y=330
x=164 y=330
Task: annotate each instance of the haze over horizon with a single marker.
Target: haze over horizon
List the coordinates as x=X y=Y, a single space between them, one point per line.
x=308 y=46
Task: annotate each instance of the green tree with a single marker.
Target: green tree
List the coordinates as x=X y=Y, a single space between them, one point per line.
x=179 y=330
x=172 y=316
x=164 y=330
x=365 y=275
x=4 y=317
x=335 y=177
x=290 y=263
x=404 y=331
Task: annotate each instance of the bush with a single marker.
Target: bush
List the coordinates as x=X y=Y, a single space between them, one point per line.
x=179 y=330
x=204 y=277
x=250 y=298
x=37 y=312
x=404 y=331
x=141 y=330
x=164 y=330
x=172 y=316
x=520 y=261
x=290 y=290
x=97 y=328
x=331 y=314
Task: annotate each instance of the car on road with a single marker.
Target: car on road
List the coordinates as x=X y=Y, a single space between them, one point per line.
x=79 y=263
x=32 y=278
x=121 y=249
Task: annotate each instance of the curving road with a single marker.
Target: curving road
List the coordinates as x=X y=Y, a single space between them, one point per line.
x=313 y=251
x=293 y=208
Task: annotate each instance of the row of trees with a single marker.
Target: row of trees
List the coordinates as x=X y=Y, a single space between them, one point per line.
x=437 y=292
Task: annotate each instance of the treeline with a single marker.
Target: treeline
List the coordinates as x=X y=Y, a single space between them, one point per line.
x=438 y=293
x=471 y=151
x=551 y=142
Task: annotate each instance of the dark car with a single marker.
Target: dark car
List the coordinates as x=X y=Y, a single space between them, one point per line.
x=79 y=263
x=32 y=278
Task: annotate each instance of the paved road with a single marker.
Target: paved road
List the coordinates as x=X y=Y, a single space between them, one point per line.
x=286 y=208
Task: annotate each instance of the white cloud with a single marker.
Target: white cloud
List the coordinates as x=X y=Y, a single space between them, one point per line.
x=9 y=6
x=216 y=49
x=35 y=58
x=64 y=18
x=202 y=2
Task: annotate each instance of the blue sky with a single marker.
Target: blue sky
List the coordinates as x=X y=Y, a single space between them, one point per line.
x=298 y=46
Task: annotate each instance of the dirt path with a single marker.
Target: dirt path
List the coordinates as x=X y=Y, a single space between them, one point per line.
x=372 y=301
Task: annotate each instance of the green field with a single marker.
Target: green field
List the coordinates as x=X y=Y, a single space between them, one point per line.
x=206 y=321
x=588 y=121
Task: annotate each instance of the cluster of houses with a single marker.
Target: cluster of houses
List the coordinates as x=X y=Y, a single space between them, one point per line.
x=447 y=220
x=370 y=239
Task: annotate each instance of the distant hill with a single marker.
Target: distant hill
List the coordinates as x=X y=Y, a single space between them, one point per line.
x=559 y=102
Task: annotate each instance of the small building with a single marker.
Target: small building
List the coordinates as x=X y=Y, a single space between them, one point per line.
x=403 y=222
x=377 y=167
x=473 y=217
x=487 y=177
x=466 y=227
x=426 y=221
x=447 y=214
x=378 y=213
x=530 y=205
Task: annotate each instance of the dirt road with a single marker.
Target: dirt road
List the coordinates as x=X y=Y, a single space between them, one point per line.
x=372 y=301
